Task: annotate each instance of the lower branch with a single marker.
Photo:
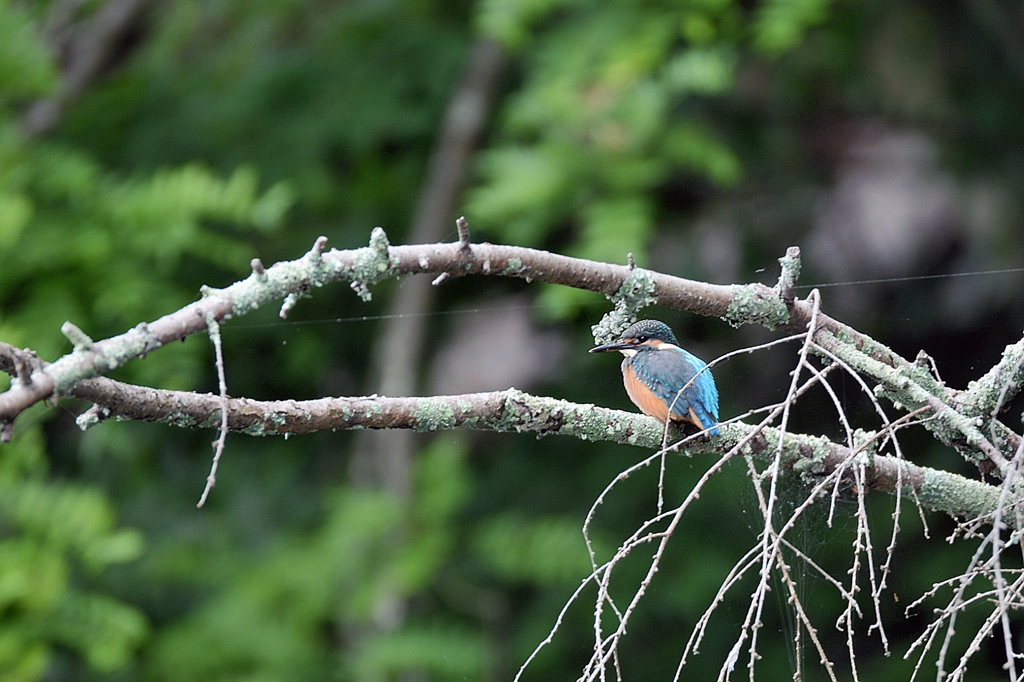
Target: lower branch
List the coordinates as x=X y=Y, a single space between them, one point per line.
x=515 y=411
x=907 y=383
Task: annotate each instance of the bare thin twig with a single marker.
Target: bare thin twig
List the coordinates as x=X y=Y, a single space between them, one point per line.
x=463 y=226
x=218 y=445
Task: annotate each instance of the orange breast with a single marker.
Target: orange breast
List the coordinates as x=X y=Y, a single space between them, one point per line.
x=643 y=397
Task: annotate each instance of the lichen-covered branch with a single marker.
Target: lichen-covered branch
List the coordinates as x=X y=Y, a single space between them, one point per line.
x=263 y=286
x=906 y=383
x=917 y=389
x=516 y=411
x=287 y=281
x=508 y=410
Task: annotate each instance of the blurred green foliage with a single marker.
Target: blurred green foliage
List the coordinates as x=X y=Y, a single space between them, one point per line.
x=230 y=129
x=614 y=106
x=609 y=109
x=56 y=537
x=27 y=67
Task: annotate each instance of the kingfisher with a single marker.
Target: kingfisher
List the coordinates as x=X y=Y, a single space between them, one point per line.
x=663 y=380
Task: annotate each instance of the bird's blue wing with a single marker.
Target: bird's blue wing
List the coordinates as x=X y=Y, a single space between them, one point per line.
x=667 y=371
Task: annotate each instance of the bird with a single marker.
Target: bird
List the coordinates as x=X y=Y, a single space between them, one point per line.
x=663 y=380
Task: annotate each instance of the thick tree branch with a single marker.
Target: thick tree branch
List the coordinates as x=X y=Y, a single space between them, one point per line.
x=515 y=411
x=906 y=383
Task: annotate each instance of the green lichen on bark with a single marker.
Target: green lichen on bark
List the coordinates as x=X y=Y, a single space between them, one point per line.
x=514 y=267
x=371 y=264
x=997 y=386
x=902 y=387
x=277 y=421
x=756 y=304
x=790 y=264
x=958 y=495
x=434 y=415
x=635 y=294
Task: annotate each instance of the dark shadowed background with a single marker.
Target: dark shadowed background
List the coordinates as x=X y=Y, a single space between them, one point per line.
x=149 y=148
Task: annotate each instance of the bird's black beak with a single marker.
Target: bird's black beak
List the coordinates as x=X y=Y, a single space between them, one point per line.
x=618 y=345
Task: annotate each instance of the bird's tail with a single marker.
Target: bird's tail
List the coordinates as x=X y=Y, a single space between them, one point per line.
x=704 y=420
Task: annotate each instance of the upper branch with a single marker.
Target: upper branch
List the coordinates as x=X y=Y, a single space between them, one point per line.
x=363 y=267
x=905 y=382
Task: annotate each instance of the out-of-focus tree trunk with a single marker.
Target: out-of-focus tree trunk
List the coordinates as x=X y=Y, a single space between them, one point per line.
x=383 y=459
x=88 y=50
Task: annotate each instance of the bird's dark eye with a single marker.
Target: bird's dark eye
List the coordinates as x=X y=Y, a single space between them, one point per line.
x=641 y=338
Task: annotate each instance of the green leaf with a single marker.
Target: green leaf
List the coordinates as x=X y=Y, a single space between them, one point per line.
x=27 y=66
x=105 y=630
x=705 y=71
x=437 y=653
x=780 y=25
x=692 y=146
x=524 y=188
x=615 y=227
x=548 y=550
x=15 y=213
x=509 y=21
